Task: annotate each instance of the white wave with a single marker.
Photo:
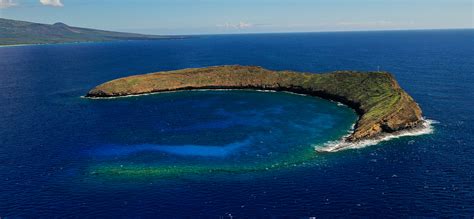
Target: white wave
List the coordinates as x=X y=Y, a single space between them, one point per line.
x=289 y=92
x=265 y=91
x=424 y=128
x=192 y=90
x=126 y=96
x=155 y=93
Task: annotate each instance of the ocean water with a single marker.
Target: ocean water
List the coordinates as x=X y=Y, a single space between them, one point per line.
x=232 y=153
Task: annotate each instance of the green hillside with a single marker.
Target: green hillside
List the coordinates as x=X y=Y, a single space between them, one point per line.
x=14 y=32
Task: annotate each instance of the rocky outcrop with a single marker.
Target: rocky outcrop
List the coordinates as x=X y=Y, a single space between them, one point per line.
x=376 y=96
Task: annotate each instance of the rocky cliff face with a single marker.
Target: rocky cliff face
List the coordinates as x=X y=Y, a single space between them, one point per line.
x=376 y=96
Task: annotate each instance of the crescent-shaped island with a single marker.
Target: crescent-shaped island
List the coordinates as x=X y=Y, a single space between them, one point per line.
x=382 y=105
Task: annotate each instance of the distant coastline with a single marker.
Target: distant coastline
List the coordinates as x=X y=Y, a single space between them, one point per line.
x=83 y=42
x=186 y=36
x=14 y=32
x=43 y=44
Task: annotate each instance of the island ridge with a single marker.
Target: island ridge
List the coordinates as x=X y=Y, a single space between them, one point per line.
x=382 y=105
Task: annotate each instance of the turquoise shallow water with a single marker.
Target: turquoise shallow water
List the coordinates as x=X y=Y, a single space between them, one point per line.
x=202 y=131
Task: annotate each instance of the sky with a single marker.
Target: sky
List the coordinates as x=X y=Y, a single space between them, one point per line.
x=244 y=16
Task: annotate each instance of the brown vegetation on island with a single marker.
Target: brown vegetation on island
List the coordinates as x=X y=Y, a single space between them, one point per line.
x=382 y=105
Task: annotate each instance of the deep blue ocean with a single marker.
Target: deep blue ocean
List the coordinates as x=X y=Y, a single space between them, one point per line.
x=232 y=153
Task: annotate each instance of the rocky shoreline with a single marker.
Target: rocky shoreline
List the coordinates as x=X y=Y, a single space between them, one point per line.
x=382 y=105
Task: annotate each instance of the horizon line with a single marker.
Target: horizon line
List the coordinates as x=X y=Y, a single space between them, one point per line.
x=127 y=30
x=324 y=31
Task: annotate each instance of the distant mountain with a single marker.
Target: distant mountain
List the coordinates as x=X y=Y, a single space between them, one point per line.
x=13 y=32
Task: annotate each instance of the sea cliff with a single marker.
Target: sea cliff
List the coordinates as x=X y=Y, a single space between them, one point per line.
x=383 y=106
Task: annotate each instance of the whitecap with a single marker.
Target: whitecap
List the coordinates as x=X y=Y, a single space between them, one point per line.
x=424 y=128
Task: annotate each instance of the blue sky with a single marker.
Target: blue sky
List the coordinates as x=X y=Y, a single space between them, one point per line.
x=244 y=16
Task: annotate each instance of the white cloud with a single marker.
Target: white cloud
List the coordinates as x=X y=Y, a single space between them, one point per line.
x=54 y=3
x=7 y=3
x=240 y=25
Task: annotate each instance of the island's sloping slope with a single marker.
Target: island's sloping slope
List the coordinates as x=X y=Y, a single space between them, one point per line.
x=21 y=32
x=382 y=105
